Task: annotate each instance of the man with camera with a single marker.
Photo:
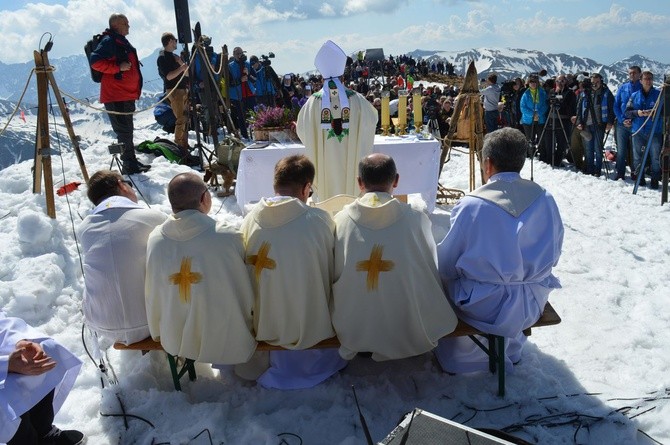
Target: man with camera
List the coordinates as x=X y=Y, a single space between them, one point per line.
x=120 y=86
x=242 y=89
x=562 y=103
x=174 y=72
x=266 y=79
x=595 y=117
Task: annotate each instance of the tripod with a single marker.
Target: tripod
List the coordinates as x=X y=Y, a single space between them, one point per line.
x=554 y=115
x=115 y=150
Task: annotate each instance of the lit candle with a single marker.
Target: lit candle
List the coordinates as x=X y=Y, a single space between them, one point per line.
x=416 y=102
x=402 y=109
x=386 y=113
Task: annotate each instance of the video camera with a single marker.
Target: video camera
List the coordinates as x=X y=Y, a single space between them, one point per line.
x=116 y=149
x=265 y=60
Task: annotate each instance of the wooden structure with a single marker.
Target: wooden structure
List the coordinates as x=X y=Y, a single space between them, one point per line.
x=42 y=165
x=494 y=350
x=467 y=124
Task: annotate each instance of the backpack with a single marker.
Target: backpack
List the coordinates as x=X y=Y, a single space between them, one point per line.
x=90 y=46
x=162 y=147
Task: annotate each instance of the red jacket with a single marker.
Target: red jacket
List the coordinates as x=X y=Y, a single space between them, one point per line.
x=117 y=85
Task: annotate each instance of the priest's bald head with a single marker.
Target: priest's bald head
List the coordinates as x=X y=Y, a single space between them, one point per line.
x=187 y=191
x=294 y=176
x=377 y=173
x=504 y=151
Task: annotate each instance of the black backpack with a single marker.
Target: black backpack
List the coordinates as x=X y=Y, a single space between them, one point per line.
x=90 y=46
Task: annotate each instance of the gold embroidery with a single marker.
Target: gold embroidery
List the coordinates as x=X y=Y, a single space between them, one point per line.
x=261 y=260
x=184 y=278
x=374 y=266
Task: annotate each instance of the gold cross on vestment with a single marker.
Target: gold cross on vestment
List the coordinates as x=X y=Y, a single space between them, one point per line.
x=184 y=278
x=374 y=265
x=261 y=260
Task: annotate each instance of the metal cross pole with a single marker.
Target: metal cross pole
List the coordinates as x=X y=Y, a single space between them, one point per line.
x=647 y=148
x=665 y=153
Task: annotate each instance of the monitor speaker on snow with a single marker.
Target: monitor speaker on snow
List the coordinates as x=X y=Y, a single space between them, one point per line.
x=183 y=21
x=426 y=428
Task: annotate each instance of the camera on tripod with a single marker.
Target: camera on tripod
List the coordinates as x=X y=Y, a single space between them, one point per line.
x=265 y=60
x=116 y=149
x=555 y=98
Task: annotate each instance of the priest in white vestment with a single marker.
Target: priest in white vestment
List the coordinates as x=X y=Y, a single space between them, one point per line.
x=198 y=294
x=36 y=375
x=388 y=298
x=114 y=246
x=337 y=127
x=289 y=253
x=496 y=261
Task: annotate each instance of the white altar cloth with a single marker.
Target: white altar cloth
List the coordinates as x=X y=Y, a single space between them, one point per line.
x=417 y=162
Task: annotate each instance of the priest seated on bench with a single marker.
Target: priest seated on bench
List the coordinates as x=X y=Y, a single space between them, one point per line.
x=289 y=253
x=496 y=261
x=387 y=295
x=198 y=294
x=114 y=243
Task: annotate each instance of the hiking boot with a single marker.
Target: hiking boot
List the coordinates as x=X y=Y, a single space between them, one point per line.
x=653 y=184
x=134 y=167
x=63 y=437
x=643 y=182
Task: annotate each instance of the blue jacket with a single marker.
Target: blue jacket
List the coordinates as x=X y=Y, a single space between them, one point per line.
x=235 y=87
x=528 y=107
x=264 y=84
x=639 y=101
x=603 y=100
x=621 y=100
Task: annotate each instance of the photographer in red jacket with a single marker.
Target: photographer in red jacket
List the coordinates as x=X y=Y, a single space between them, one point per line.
x=120 y=86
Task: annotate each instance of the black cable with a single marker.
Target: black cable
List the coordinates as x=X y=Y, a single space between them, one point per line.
x=290 y=434
x=131 y=416
x=67 y=198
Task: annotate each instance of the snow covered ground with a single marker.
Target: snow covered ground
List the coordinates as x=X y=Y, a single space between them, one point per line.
x=600 y=377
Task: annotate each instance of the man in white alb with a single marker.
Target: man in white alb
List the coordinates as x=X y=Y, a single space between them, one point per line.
x=496 y=261
x=114 y=244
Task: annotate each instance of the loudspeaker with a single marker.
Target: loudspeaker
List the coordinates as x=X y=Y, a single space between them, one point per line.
x=426 y=428
x=183 y=21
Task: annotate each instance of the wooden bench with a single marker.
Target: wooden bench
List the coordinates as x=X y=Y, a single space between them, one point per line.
x=494 y=349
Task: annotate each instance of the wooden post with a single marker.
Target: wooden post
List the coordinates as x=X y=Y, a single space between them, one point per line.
x=42 y=164
x=42 y=147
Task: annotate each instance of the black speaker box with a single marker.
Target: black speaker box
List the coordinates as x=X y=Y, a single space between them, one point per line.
x=429 y=429
x=183 y=21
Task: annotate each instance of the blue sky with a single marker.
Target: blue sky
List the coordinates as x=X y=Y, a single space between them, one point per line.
x=606 y=31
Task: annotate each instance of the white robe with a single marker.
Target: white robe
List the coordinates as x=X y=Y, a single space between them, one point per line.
x=497 y=268
x=198 y=295
x=19 y=393
x=336 y=161
x=293 y=293
x=114 y=244
x=406 y=311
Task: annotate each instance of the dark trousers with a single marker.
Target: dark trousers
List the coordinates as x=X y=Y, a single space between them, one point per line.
x=561 y=147
x=122 y=124
x=36 y=423
x=239 y=110
x=533 y=133
x=491 y=120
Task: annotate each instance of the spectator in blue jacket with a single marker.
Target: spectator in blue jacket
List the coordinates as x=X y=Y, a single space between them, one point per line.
x=639 y=110
x=534 y=107
x=266 y=79
x=242 y=89
x=623 y=133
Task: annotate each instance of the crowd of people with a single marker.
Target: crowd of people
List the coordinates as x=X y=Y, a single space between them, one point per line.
x=570 y=117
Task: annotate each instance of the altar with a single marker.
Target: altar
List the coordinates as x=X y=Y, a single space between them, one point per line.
x=417 y=161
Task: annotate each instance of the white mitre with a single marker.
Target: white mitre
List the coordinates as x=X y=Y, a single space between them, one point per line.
x=330 y=61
